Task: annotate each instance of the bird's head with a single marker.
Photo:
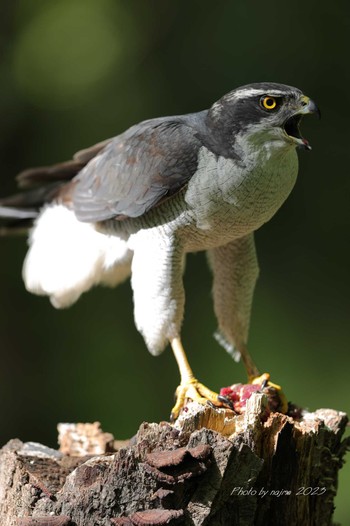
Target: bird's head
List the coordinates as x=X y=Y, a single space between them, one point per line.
x=263 y=112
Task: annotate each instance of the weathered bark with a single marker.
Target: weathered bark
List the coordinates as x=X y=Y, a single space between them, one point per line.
x=211 y=468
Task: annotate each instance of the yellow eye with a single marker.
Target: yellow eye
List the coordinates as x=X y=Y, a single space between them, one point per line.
x=269 y=103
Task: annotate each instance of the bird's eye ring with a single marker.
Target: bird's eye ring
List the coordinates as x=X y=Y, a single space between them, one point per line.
x=268 y=103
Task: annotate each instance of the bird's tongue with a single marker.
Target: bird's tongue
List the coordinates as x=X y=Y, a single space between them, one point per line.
x=306 y=144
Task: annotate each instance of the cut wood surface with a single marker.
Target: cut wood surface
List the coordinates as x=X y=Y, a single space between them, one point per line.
x=211 y=468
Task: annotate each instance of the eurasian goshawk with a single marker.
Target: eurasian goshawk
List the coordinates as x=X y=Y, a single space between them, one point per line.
x=136 y=204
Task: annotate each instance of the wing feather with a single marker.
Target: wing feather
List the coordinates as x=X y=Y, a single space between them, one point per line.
x=121 y=177
x=137 y=170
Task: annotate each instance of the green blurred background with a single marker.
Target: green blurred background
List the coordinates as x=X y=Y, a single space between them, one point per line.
x=74 y=72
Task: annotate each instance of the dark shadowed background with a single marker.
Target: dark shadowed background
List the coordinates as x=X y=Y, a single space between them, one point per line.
x=74 y=72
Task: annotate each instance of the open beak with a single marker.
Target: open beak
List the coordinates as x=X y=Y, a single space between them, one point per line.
x=291 y=126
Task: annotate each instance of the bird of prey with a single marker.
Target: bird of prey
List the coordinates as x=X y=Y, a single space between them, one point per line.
x=136 y=204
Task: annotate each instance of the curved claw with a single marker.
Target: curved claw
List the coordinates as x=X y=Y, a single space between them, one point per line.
x=226 y=401
x=264 y=384
x=193 y=390
x=264 y=381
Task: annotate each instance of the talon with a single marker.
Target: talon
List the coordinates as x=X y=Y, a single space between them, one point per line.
x=264 y=384
x=193 y=390
x=226 y=401
x=264 y=381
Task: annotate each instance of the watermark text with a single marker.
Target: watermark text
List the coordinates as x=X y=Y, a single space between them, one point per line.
x=240 y=491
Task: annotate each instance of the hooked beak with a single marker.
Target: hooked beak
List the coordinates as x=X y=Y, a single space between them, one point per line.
x=308 y=106
x=291 y=126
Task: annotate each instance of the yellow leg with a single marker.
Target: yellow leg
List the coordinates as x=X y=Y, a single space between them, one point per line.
x=189 y=387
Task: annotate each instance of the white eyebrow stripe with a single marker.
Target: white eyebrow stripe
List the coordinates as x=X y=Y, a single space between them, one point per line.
x=254 y=91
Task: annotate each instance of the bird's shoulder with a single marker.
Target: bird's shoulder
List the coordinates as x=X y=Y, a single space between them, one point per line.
x=139 y=168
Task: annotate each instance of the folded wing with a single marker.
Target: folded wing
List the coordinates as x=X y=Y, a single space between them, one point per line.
x=136 y=170
x=121 y=177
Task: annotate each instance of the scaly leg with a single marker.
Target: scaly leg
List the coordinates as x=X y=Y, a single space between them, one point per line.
x=189 y=387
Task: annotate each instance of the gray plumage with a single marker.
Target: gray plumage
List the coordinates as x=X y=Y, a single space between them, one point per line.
x=137 y=203
x=148 y=162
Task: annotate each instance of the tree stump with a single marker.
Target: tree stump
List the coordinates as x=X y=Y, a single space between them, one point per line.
x=211 y=468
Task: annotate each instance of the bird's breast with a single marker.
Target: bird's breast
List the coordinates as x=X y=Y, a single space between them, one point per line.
x=228 y=199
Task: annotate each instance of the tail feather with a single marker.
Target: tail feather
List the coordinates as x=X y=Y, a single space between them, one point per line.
x=41 y=186
x=34 y=198
x=44 y=174
x=61 y=171
x=18 y=211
